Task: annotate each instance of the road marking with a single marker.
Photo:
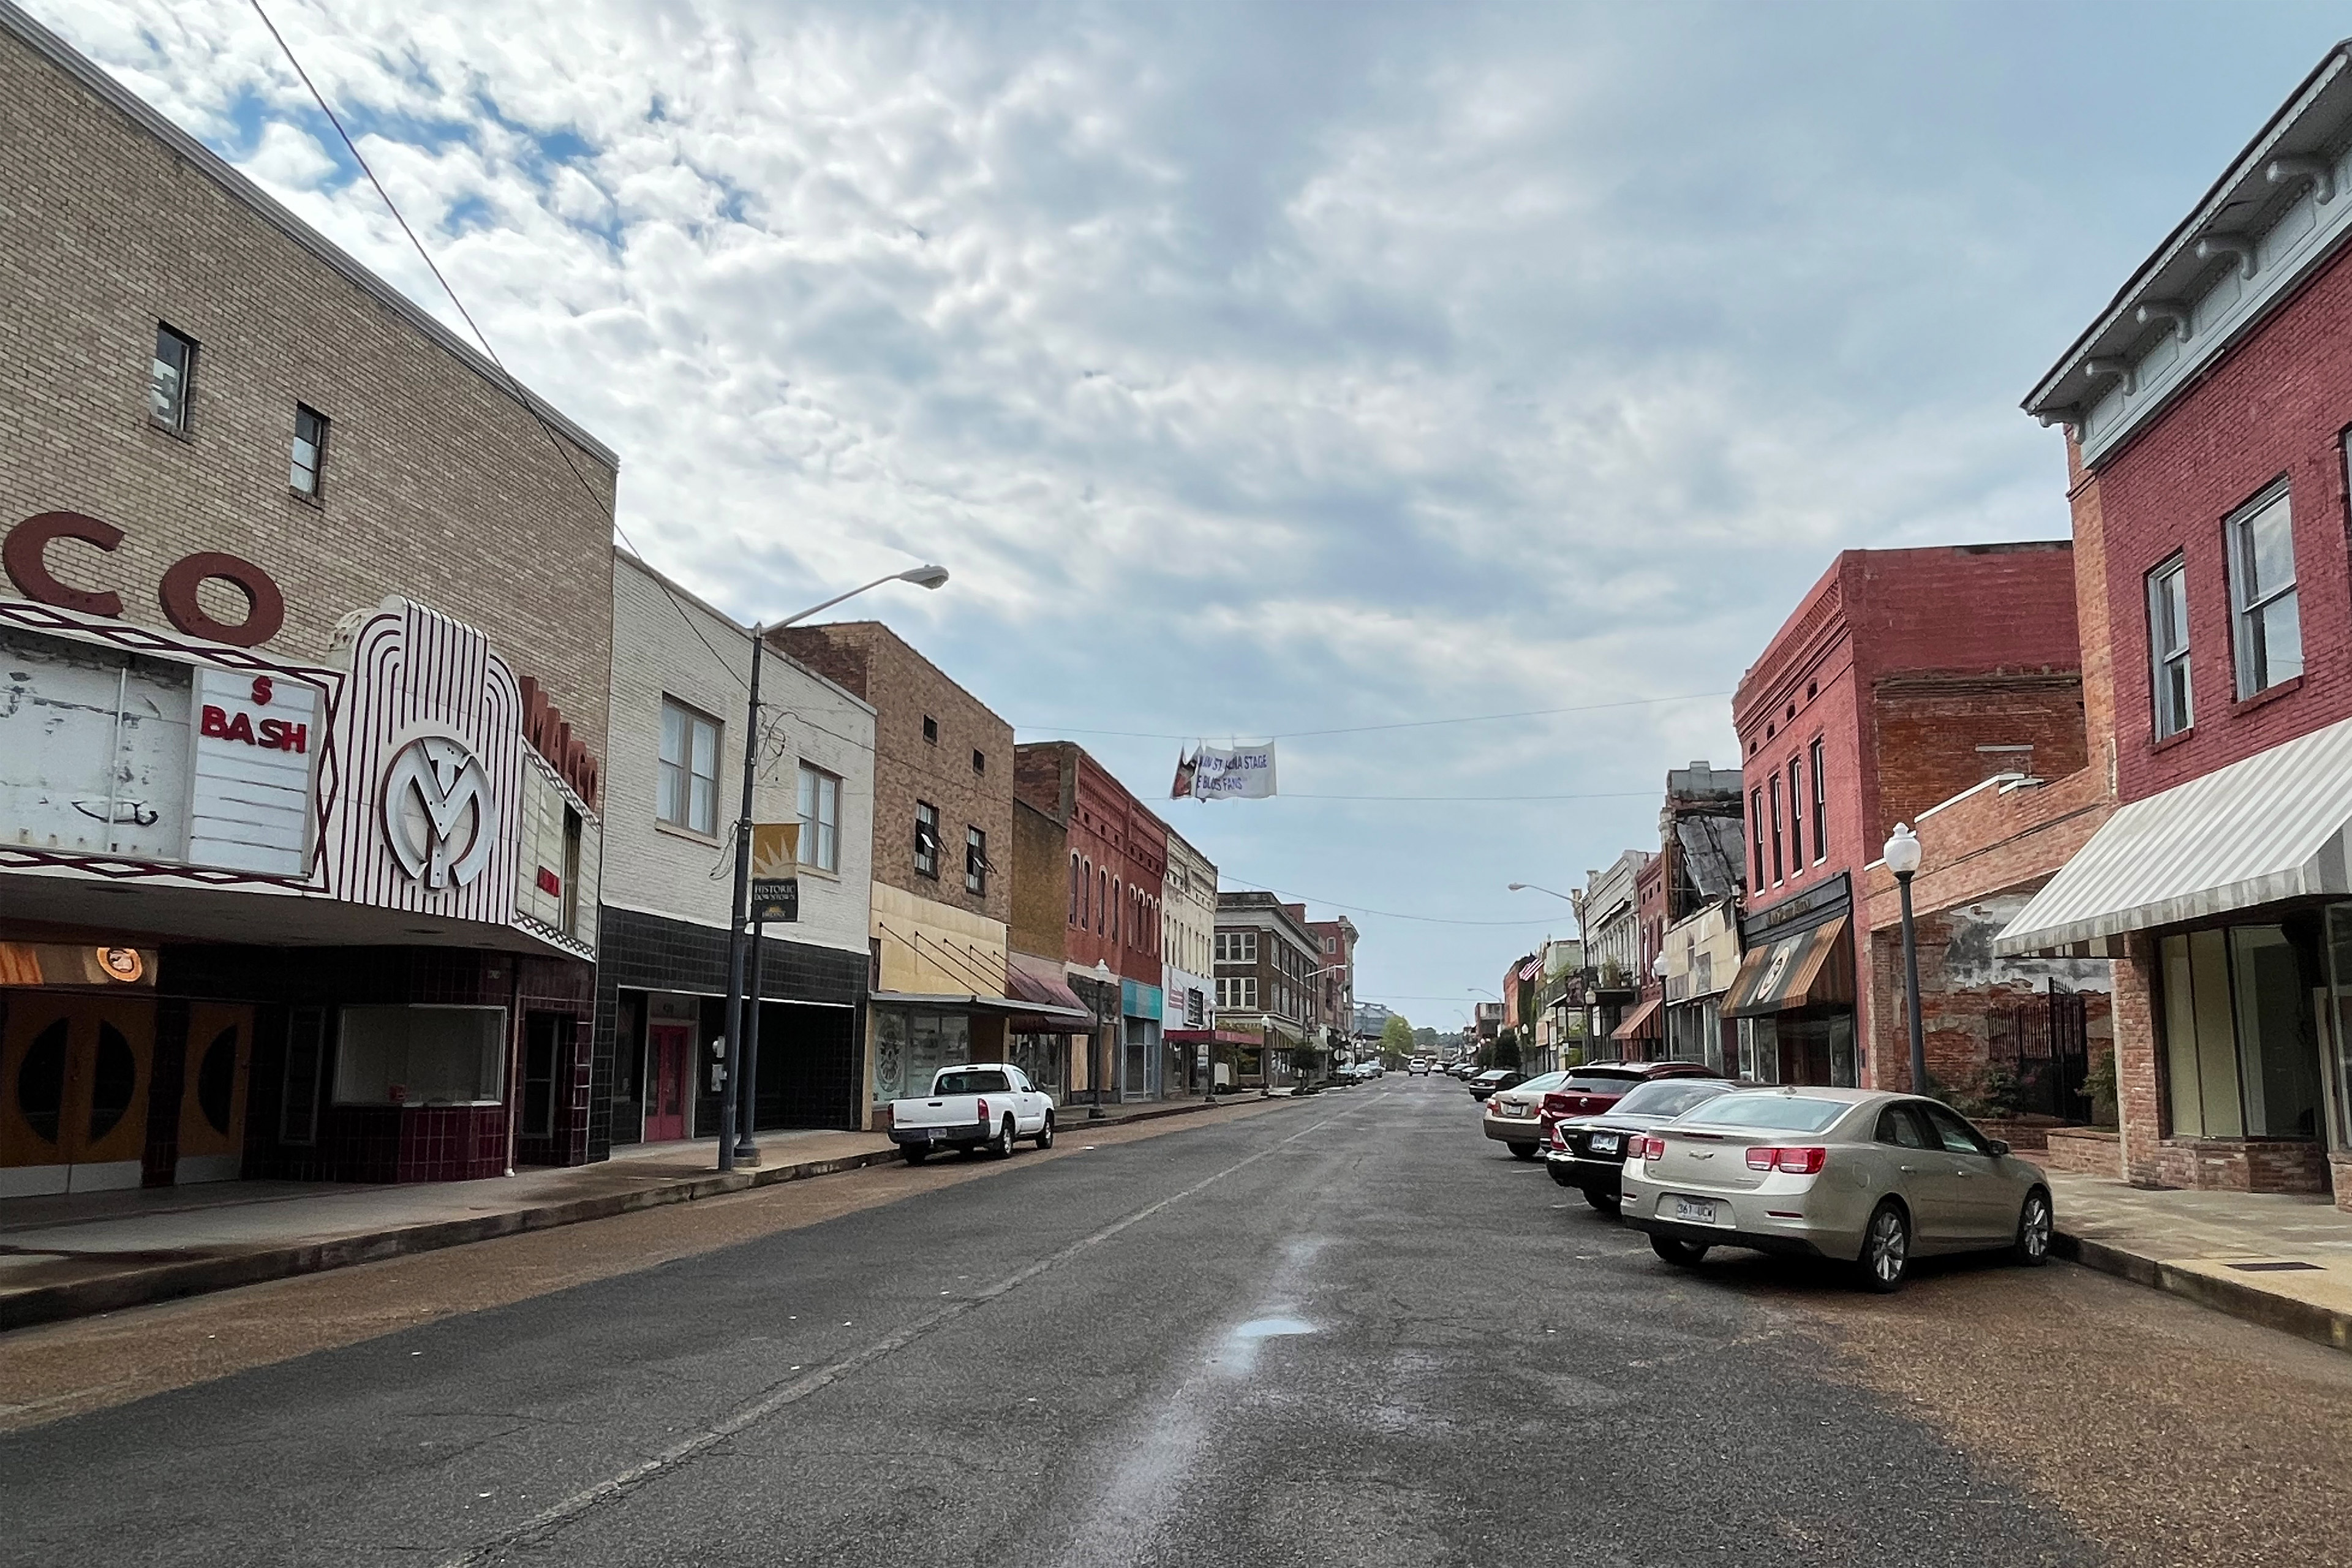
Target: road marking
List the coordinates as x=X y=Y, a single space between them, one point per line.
x=791 y=1393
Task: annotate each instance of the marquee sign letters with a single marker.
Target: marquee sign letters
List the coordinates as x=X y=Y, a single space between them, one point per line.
x=25 y=557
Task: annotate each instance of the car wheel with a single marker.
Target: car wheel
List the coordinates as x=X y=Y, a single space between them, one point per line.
x=1002 y=1147
x=1680 y=1253
x=1523 y=1151
x=2034 y=1223
x=1045 y=1133
x=1605 y=1202
x=916 y=1153
x=1886 y=1249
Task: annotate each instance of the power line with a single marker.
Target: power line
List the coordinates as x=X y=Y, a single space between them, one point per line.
x=1385 y=914
x=521 y=395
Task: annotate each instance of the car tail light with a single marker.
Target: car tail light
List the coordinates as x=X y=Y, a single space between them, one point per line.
x=1556 y=1104
x=1645 y=1146
x=983 y=1111
x=1804 y=1162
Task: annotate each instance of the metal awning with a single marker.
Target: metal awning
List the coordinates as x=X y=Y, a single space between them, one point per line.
x=1632 y=1026
x=1792 y=972
x=1054 y=1008
x=983 y=1007
x=2260 y=831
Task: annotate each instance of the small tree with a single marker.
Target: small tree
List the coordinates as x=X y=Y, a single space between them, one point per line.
x=1506 y=1049
x=1396 y=1042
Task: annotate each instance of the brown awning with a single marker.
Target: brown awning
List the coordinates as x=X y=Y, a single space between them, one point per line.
x=1641 y=1024
x=1058 y=1011
x=1812 y=969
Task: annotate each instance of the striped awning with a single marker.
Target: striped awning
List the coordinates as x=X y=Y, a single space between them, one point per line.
x=1641 y=1024
x=2260 y=831
x=1791 y=972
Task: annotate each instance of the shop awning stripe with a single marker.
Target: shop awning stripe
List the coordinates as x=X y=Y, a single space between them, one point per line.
x=2265 y=829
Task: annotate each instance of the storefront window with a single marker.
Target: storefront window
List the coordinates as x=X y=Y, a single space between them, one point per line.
x=910 y=1045
x=420 y=1056
x=2240 y=1034
x=2339 y=966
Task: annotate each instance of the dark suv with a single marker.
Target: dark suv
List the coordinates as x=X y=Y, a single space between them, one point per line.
x=1588 y=1152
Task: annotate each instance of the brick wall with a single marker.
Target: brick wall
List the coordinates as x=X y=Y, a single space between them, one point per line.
x=1041 y=883
x=438 y=483
x=2139 y=1086
x=905 y=689
x=2274 y=406
x=1928 y=730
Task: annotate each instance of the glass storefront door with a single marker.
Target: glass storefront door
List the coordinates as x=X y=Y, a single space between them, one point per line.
x=2242 y=1008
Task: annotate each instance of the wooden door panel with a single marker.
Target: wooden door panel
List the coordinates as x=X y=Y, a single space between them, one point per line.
x=213 y=1094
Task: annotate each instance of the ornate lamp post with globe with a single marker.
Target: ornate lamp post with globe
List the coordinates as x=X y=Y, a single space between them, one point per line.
x=1902 y=855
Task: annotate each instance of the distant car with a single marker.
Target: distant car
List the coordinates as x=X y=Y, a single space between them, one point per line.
x=1512 y=1112
x=1418 y=1067
x=1588 y=1152
x=1853 y=1175
x=1493 y=1079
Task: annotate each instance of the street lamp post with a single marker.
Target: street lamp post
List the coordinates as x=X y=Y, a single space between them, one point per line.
x=1535 y=888
x=1902 y=856
x=735 y=1143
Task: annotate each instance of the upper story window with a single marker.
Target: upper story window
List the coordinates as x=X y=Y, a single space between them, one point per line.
x=171 y=381
x=1074 y=891
x=310 y=454
x=926 y=839
x=2168 y=646
x=1756 y=828
x=930 y=730
x=1796 y=817
x=1236 y=947
x=979 y=761
x=687 y=795
x=975 y=862
x=2266 y=625
x=1773 y=789
x=820 y=819
x=1821 y=805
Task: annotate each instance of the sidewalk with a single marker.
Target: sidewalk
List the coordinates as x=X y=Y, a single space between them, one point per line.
x=2282 y=1261
x=76 y=1255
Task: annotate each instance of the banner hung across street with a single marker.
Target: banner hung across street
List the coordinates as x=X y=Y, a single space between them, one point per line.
x=1240 y=773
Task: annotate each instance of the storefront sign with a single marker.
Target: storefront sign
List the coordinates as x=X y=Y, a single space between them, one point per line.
x=775 y=872
x=59 y=963
x=544 y=726
x=24 y=556
x=440 y=814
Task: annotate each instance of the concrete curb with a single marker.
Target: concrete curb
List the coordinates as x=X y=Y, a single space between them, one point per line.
x=168 y=1281
x=2304 y=1319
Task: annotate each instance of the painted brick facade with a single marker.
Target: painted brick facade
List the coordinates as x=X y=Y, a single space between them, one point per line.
x=1115 y=866
x=2275 y=406
x=438 y=482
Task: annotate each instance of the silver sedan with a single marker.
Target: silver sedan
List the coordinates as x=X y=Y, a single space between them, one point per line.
x=1857 y=1175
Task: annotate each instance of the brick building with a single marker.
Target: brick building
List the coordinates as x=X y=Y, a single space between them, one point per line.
x=1109 y=871
x=670 y=802
x=1702 y=850
x=1265 y=956
x=1188 y=935
x=937 y=950
x=2206 y=410
x=1334 y=985
x=1608 y=918
x=308 y=626
x=1903 y=678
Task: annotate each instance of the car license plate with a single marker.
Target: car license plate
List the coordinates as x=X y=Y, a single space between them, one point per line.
x=1604 y=1143
x=1694 y=1211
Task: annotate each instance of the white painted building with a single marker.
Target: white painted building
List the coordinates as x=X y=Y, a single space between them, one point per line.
x=673 y=784
x=1188 y=921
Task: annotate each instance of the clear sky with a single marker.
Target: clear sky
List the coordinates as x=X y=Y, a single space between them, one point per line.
x=1265 y=369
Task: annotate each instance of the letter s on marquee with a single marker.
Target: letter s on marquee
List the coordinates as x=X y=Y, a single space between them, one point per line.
x=29 y=541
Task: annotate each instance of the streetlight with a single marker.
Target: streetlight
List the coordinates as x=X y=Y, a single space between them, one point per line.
x=735 y=1143
x=1100 y=1068
x=1902 y=856
x=1533 y=888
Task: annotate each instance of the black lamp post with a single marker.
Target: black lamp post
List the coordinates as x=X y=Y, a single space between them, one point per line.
x=735 y=1143
x=1902 y=856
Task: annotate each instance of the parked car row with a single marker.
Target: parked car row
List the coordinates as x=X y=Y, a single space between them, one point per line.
x=1697 y=1160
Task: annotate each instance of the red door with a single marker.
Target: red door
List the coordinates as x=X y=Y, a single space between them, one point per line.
x=670 y=1051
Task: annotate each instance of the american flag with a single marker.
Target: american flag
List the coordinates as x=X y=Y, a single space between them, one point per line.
x=1529 y=970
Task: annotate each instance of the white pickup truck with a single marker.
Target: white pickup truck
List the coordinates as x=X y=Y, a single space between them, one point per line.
x=976 y=1105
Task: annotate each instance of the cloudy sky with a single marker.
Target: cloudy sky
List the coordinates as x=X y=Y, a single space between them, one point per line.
x=1275 y=369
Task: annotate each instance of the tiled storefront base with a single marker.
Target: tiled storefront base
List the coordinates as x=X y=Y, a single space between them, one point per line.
x=2240 y=1165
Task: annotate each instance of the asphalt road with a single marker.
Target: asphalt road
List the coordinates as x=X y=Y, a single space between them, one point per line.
x=1347 y=1331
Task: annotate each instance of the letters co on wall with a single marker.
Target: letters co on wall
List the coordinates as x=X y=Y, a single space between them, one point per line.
x=133 y=753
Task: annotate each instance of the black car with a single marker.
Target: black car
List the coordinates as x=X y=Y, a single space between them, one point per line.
x=1588 y=1152
x=1493 y=1079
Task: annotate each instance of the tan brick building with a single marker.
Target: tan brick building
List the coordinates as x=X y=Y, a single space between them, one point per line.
x=320 y=604
x=942 y=858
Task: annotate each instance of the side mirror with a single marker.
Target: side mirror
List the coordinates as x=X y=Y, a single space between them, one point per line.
x=2000 y=1147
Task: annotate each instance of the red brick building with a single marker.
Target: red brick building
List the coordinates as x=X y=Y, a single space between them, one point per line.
x=1904 y=678
x=2207 y=409
x=1115 y=863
